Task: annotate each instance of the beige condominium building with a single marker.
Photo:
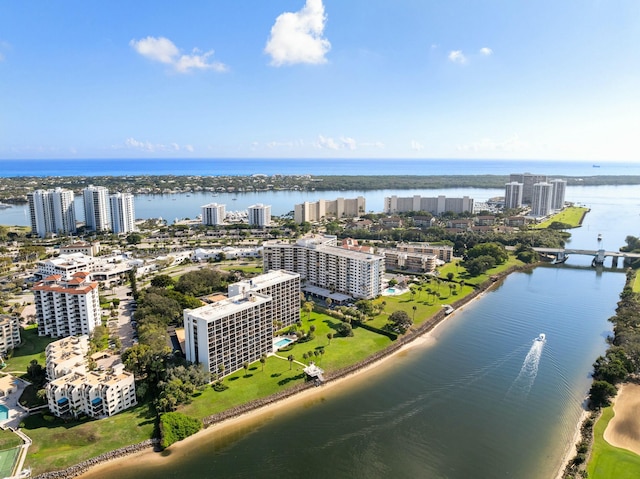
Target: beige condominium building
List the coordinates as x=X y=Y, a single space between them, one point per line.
x=312 y=211
x=322 y=264
x=66 y=306
x=9 y=333
x=73 y=389
x=436 y=205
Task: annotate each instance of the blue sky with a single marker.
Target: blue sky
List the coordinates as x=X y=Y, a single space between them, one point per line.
x=503 y=79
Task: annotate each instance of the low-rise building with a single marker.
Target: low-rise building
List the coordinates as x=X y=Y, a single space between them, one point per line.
x=73 y=389
x=442 y=252
x=88 y=249
x=9 y=333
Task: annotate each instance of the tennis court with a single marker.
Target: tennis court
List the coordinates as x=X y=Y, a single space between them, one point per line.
x=8 y=460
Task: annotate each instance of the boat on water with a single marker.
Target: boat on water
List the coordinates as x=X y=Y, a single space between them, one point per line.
x=542 y=338
x=599 y=236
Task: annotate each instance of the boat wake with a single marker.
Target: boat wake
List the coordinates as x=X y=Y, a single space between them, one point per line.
x=521 y=386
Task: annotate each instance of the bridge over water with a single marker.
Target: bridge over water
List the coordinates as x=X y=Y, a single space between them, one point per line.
x=598 y=255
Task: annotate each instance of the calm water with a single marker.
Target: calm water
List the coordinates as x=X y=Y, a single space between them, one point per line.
x=484 y=401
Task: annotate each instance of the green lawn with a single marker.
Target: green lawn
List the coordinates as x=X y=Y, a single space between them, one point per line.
x=608 y=462
x=32 y=348
x=57 y=444
x=572 y=216
x=636 y=283
x=9 y=439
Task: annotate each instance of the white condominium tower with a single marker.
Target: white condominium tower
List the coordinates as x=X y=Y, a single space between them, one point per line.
x=542 y=195
x=436 y=205
x=66 y=307
x=513 y=195
x=222 y=336
x=324 y=265
x=213 y=214
x=259 y=215
x=559 y=188
x=527 y=180
x=51 y=212
x=338 y=208
x=123 y=217
x=96 y=208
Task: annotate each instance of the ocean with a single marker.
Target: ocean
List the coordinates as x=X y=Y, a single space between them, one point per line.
x=236 y=167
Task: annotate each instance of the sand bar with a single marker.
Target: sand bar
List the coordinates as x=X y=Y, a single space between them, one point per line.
x=624 y=429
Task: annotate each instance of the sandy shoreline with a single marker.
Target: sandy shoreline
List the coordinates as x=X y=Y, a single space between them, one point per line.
x=304 y=398
x=624 y=429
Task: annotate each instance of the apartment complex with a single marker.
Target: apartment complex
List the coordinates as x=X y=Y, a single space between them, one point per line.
x=527 y=180
x=542 y=198
x=441 y=252
x=66 y=306
x=322 y=264
x=89 y=249
x=558 y=191
x=96 y=208
x=259 y=215
x=401 y=260
x=9 y=333
x=213 y=214
x=282 y=286
x=51 y=212
x=513 y=195
x=313 y=211
x=74 y=390
x=123 y=216
x=434 y=205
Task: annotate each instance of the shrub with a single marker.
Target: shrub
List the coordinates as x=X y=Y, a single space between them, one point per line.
x=175 y=426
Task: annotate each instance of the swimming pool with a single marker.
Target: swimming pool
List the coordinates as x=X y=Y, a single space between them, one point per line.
x=281 y=343
x=4 y=412
x=391 y=290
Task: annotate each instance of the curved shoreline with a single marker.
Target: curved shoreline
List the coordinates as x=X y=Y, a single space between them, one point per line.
x=301 y=392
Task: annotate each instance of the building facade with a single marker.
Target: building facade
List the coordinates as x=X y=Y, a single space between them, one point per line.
x=542 y=197
x=321 y=263
x=314 y=211
x=259 y=215
x=66 y=306
x=123 y=215
x=73 y=389
x=434 y=205
x=441 y=252
x=213 y=214
x=9 y=333
x=527 y=180
x=96 y=208
x=559 y=188
x=513 y=195
x=51 y=212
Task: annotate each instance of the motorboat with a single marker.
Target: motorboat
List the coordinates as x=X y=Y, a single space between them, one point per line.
x=541 y=338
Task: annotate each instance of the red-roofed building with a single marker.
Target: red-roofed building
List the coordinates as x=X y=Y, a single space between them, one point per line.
x=66 y=307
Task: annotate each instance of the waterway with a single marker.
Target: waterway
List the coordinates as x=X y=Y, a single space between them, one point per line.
x=481 y=401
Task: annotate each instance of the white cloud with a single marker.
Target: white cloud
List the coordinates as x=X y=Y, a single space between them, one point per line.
x=456 y=56
x=373 y=144
x=133 y=144
x=513 y=144
x=485 y=51
x=328 y=143
x=163 y=50
x=349 y=143
x=297 y=37
x=416 y=145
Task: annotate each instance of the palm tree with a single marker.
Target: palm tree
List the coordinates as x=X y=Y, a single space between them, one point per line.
x=329 y=337
x=308 y=308
x=245 y=365
x=414 y=313
x=329 y=301
x=290 y=358
x=263 y=359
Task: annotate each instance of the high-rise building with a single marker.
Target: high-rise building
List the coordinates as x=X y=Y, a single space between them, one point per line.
x=527 y=180
x=259 y=215
x=52 y=212
x=312 y=211
x=213 y=214
x=542 y=195
x=96 y=208
x=434 y=205
x=557 y=196
x=66 y=306
x=224 y=335
x=513 y=195
x=123 y=216
x=323 y=265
